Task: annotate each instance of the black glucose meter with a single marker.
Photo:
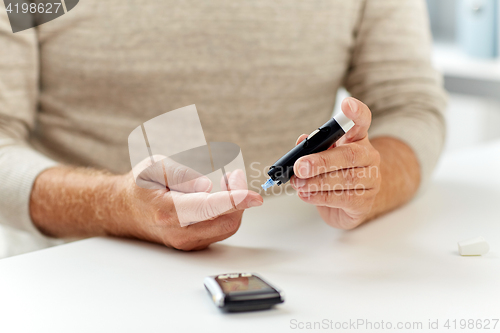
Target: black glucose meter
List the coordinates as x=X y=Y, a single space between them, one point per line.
x=242 y=292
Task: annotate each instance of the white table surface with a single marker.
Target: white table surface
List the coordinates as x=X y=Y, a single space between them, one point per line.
x=401 y=267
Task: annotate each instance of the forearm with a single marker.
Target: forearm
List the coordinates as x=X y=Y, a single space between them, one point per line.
x=72 y=202
x=400 y=172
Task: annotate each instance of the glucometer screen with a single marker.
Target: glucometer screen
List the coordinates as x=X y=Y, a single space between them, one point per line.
x=251 y=283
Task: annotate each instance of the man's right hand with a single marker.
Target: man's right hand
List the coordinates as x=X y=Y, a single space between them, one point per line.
x=71 y=202
x=183 y=214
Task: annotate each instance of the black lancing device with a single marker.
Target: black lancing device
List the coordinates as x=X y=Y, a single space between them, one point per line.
x=319 y=140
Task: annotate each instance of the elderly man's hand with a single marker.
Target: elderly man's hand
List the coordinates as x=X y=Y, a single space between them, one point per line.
x=183 y=215
x=76 y=202
x=344 y=180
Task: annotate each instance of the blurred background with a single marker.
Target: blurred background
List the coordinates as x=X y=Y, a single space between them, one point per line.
x=466 y=50
x=466 y=46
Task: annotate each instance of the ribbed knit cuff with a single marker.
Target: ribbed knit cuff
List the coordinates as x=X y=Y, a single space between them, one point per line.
x=19 y=167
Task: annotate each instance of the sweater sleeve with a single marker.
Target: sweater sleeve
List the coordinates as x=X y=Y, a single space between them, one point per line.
x=19 y=164
x=391 y=72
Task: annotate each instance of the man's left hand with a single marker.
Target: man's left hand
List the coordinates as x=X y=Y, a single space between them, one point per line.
x=344 y=180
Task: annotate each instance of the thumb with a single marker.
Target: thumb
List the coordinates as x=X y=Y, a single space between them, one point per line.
x=301 y=138
x=361 y=115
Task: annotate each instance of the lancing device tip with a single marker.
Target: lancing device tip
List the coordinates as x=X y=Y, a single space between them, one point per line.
x=268 y=184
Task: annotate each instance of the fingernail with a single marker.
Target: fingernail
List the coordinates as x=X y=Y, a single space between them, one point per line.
x=353 y=105
x=304 y=194
x=255 y=203
x=202 y=184
x=299 y=182
x=304 y=169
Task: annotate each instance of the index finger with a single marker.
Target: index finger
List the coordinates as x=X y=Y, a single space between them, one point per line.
x=198 y=207
x=361 y=115
x=346 y=156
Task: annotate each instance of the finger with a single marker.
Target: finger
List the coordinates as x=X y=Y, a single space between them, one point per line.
x=235 y=179
x=301 y=138
x=361 y=115
x=196 y=207
x=199 y=236
x=345 y=179
x=166 y=173
x=238 y=180
x=340 y=219
x=184 y=179
x=348 y=200
x=346 y=156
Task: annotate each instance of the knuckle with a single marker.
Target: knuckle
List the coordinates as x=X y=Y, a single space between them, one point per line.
x=161 y=216
x=375 y=156
x=374 y=182
x=164 y=215
x=350 y=155
x=347 y=224
x=358 y=198
x=326 y=197
x=180 y=243
x=189 y=244
x=323 y=164
x=179 y=175
x=351 y=199
x=322 y=181
x=230 y=225
x=351 y=178
x=206 y=211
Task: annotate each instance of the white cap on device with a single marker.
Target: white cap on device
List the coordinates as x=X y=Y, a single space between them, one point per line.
x=343 y=121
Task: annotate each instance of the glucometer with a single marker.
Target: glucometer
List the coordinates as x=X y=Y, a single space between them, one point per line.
x=242 y=292
x=319 y=140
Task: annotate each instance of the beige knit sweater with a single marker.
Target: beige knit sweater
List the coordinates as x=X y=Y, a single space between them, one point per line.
x=259 y=72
